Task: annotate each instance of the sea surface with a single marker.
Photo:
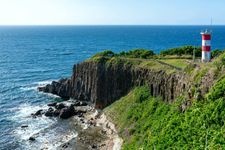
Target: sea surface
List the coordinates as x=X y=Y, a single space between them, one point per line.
x=31 y=56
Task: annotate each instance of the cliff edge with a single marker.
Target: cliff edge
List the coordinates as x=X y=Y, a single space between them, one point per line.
x=102 y=80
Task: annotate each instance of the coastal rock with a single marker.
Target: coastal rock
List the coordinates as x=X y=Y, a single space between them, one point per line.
x=49 y=112
x=52 y=104
x=24 y=126
x=42 y=89
x=60 y=106
x=61 y=110
x=56 y=113
x=61 y=88
x=67 y=112
x=80 y=103
x=102 y=84
x=38 y=113
x=64 y=146
x=31 y=139
x=94 y=146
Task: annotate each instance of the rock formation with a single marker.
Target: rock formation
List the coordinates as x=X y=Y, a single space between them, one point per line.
x=103 y=83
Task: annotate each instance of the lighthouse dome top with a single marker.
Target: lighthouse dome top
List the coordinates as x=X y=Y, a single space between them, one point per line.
x=206 y=32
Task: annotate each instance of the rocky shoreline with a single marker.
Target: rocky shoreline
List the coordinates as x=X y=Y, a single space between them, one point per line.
x=94 y=130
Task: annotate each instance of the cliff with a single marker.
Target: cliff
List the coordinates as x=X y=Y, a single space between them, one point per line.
x=192 y=116
x=103 y=82
x=146 y=122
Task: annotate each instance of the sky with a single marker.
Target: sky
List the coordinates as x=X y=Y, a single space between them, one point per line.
x=112 y=12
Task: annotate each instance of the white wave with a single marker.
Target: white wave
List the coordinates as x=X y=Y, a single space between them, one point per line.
x=35 y=85
x=23 y=116
x=43 y=83
x=29 y=88
x=51 y=95
x=26 y=109
x=48 y=132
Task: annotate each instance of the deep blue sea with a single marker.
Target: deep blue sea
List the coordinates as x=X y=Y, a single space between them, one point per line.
x=31 y=56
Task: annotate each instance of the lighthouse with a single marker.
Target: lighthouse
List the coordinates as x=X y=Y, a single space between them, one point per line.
x=206 y=46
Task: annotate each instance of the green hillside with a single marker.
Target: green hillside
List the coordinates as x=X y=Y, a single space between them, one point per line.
x=146 y=122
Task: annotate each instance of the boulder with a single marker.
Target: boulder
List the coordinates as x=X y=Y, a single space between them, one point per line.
x=31 y=139
x=67 y=112
x=56 y=113
x=24 y=126
x=38 y=113
x=64 y=146
x=80 y=112
x=49 y=112
x=60 y=106
x=80 y=103
x=94 y=146
x=52 y=104
x=41 y=89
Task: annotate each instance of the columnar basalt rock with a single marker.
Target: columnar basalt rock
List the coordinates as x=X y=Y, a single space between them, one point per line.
x=103 y=83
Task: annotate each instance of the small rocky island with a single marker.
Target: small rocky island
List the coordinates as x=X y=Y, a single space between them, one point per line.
x=118 y=85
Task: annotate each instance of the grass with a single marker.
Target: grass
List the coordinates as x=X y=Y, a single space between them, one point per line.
x=145 y=122
x=180 y=63
x=142 y=58
x=152 y=64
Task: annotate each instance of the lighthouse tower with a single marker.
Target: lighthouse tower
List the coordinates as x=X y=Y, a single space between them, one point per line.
x=206 y=46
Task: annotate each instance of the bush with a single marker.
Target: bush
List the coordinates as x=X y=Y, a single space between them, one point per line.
x=137 y=53
x=217 y=91
x=145 y=122
x=106 y=53
x=216 y=53
x=185 y=50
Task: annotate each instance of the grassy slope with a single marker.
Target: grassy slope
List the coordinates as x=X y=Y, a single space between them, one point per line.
x=150 y=63
x=149 y=123
x=146 y=122
x=181 y=63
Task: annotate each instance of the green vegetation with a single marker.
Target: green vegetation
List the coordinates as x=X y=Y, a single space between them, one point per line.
x=106 y=53
x=216 y=53
x=137 y=53
x=142 y=58
x=182 y=51
x=171 y=60
x=217 y=92
x=145 y=122
x=140 y=63
x=180 y=63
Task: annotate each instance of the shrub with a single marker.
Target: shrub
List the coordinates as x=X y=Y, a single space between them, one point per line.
x=137 y=53
x=145 y=122
x=106 y=53
x=185 y=50
x=217 y=91
x=216 y=53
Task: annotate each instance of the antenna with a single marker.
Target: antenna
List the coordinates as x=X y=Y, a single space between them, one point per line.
x=211 y=23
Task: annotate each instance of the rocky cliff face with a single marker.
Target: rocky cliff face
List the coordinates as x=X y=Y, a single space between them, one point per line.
x=103 y=83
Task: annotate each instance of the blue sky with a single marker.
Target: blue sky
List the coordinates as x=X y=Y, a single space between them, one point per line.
x=111 y=12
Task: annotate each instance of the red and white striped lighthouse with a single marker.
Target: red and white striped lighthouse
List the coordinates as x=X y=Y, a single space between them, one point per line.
x=206 y=46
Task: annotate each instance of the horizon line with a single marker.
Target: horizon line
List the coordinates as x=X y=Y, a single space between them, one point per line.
x=112 y=25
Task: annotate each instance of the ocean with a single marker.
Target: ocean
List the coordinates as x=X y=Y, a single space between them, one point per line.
x=31 y=56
